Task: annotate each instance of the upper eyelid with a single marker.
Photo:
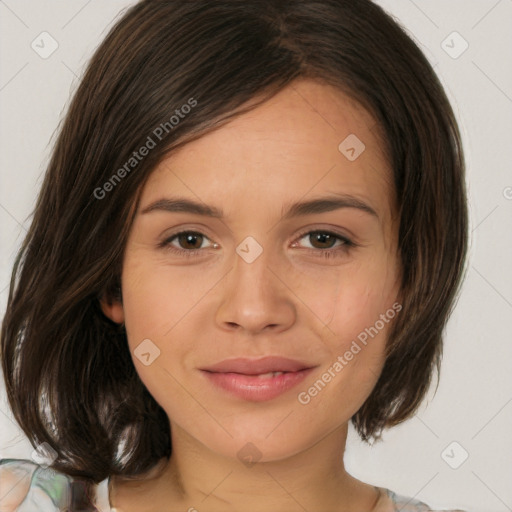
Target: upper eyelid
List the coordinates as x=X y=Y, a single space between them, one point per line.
x=323 y=230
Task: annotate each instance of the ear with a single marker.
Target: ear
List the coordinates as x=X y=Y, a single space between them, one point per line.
x=113 y=309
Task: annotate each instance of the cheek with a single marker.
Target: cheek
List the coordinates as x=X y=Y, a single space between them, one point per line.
x=345 y=302
x=156 y=298
x=364 y=314
x=364 y=295
x=343 y=305
x=162 y=305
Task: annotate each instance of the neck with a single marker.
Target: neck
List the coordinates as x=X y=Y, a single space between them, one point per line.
x=312 y=479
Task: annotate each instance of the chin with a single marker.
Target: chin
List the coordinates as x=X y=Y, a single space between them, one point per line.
x=261 y=440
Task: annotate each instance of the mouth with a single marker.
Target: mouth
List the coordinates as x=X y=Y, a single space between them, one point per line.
x=262 y=366
x=257 y=380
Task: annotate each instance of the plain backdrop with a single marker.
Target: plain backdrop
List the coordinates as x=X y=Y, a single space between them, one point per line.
x=457 y=451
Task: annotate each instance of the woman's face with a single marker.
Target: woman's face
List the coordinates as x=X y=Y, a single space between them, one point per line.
x=254 y=276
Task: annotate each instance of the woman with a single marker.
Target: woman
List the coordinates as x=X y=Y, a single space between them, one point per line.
x=252 y=231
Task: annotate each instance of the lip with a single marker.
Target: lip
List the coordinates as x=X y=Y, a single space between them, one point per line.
x=246 y=379
x=258 y=366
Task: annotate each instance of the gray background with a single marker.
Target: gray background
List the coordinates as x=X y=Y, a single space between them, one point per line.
x=473 y=404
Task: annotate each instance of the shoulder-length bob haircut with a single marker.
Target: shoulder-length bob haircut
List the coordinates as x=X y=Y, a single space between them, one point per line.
x=69 y=375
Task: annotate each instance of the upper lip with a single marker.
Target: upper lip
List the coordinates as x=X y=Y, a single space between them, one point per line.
x=258 y=366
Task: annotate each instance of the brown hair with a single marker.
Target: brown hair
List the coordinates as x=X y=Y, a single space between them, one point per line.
x=69 y=375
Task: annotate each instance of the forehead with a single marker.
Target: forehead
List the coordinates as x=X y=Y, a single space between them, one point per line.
x=308 y=140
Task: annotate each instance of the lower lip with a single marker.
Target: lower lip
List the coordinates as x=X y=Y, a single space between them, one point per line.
x=254 y=388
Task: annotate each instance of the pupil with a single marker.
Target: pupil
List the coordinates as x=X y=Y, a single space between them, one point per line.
x=189 y=239
x=324 y=239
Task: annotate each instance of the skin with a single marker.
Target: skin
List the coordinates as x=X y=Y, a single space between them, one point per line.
x=291 y=301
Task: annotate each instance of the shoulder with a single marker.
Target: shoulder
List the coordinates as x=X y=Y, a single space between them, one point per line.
x=15 y=478
x=406 y=504
x=25 y=485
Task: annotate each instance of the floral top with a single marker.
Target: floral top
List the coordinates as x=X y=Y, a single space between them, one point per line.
x=28 y=487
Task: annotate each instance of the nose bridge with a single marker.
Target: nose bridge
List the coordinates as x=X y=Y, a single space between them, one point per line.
x=254 y=298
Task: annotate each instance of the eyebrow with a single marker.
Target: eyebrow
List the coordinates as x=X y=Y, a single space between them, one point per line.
x=319 y=205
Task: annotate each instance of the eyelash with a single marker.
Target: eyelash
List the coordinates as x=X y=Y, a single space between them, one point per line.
x=326 y=253
x=337 y=251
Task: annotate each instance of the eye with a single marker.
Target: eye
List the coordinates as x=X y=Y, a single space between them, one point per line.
x=325 y=243
x=321 y=243
x=187 y=243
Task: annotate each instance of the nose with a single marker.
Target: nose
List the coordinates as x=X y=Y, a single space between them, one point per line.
x=255 y=298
